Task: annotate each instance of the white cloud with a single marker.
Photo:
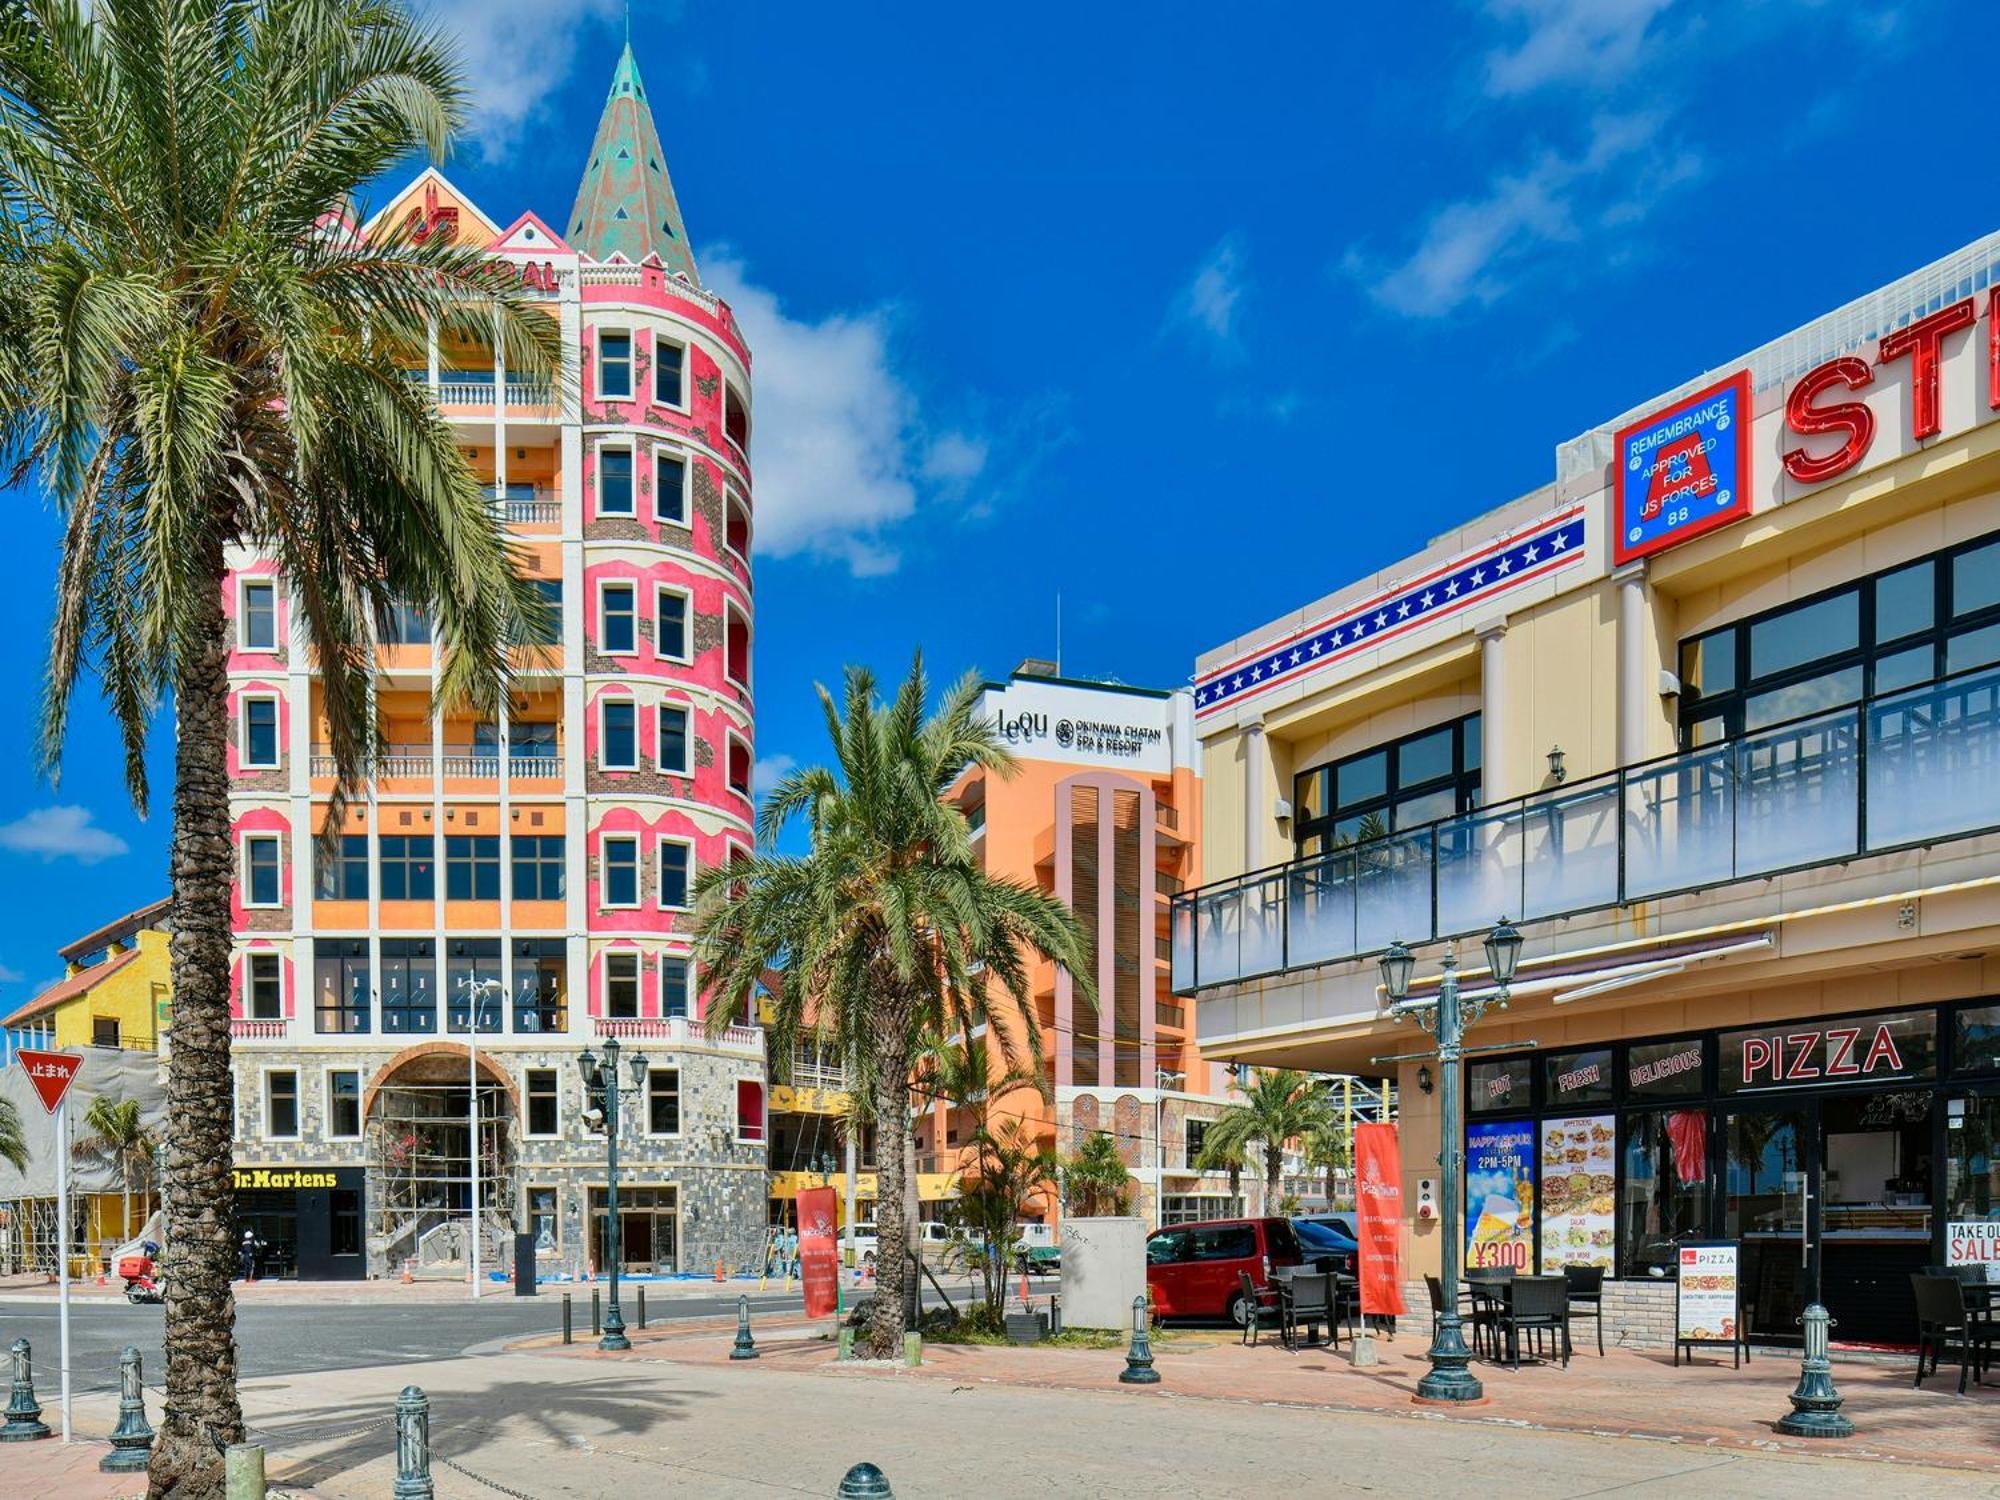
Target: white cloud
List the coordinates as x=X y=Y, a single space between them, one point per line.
x=53 y=833
x=1592 y=42
x=768 y=771
x=518 y=52
x=1471 y=250
x=1208 y=305
x=10 y=975
x=841 y=451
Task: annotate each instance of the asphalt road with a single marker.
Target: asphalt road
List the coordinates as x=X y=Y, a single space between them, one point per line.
x=275 y=1340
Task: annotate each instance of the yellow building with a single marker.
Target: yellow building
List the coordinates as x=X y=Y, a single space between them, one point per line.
x=116 y=989
x=1714 y=716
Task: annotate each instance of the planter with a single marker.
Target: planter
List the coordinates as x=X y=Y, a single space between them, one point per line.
x=1027 y=1327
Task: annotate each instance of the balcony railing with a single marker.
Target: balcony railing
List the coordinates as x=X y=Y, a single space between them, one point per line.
x=1909 y=769
x=678 y=1029
x=526 y=504
x=476 y=388
x=413 y=762
x=244 y=1028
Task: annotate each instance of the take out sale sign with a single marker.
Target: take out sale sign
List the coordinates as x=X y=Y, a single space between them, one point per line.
x=1974 y=1243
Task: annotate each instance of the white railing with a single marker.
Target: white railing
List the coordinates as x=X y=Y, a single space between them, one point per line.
x=677 y=1029
x=543 y=510
x=465 y=393
x=245 y=1029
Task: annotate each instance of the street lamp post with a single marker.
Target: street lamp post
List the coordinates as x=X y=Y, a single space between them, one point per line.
x=475 y=991
x=1446 y=1018
x=601 y=1095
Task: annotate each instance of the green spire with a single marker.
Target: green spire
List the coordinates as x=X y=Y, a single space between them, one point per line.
x=625 y=205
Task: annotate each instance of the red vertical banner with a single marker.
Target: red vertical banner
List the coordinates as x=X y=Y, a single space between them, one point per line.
x=817 y=1233
x=1378 y=1201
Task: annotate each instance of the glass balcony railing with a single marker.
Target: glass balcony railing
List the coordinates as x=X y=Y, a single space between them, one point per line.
x=1914 y=768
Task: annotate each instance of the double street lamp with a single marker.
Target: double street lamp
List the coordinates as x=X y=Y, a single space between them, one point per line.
x=601 y=1092
x=1445 y=1016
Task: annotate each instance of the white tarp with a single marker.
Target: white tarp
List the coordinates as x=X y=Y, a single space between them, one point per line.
x=106 y=1070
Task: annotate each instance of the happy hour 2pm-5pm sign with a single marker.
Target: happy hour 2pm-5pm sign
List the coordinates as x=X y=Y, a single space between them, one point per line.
x=1683 y=470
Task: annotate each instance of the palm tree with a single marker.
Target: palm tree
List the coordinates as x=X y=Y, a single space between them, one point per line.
x=1329 y=1149
x=1279 y=1106
x=1095 y=1179
x=13 y=1141
x=117 y=1131
x=888 y=929
x=197 y=353
x=1010 y=1176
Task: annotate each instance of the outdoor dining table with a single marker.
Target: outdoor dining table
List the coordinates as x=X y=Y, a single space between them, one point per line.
x=1339 y=1287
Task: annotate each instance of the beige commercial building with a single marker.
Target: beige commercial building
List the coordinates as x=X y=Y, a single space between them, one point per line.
x=1715 y=717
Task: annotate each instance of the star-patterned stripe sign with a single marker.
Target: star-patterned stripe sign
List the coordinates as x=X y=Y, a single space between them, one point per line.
x=1473 y=578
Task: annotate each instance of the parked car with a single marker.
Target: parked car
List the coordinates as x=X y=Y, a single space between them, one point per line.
x=1341 y=1222
x=1319 y=1240
x=941 y=1244
x=1038 y=1260
x=1196 y=1270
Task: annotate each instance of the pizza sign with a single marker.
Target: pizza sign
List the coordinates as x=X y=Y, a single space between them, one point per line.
x=1684 y=470
x=51 y=1073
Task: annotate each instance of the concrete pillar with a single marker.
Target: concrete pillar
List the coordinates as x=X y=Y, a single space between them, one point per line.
x=1256 y=794
x=1634 y=621
x=1498 y=776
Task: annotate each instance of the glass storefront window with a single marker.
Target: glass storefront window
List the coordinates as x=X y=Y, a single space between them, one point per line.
x=1666 y=1187
x=1507 y=1083
x=1972 y=1183
x=1666 y=1070
x=1584 y=1077
x=1810 y=1054
x=1975 y=1039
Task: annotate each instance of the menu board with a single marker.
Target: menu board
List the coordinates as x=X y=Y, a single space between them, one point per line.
x=1579 y=1174
x=1500 y=1194
x=1706 y=1310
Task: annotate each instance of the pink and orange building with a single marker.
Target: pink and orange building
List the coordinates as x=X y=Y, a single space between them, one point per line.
x=522 y=882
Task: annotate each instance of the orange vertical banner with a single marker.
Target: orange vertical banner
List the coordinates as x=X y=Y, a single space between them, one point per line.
x=816 y=1250
x=1378 y=1201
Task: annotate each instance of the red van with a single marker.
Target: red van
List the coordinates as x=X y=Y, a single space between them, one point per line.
x=1196 y=1270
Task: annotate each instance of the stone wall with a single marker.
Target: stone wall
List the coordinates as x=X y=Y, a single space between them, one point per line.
x=1638 y=1315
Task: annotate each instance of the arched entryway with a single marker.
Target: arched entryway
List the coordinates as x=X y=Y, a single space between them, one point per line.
x=419 y=1135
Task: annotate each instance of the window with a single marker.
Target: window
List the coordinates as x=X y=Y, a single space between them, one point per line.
x=409 y=868
x=621 y=870
x=617 y=620
x=676 y=873
x=739 y=767
x=403 y=624
x=671 y=639
x=674 y=988
x=551 y=592
x=736 y=418
x=663 y=1101
x=541 y=984
x=538 y=861
x=736 y=526
x=674 y=740
x=261 y=883
x=738 y=643
x=1665 y=1188
x=749 y=1110
x=473 y=986
x=618 y=747
x=621 y=986
x=1896 y=630
x=1432 y=774
x=103 y=1031
x=1197 y=1133
x=614 y=481
x=281 y=1104
x=668 y=362
x=614 y=365
x=409 y=986
x=543 y=1115
x=1496 y=1087
x=472 y=867
x=266 y=983
x=259 y=623
x=342 y=986
x=343 y=1104
x=670 y=488
x=1223 y=1242
x=260 y=734
x=343 y=874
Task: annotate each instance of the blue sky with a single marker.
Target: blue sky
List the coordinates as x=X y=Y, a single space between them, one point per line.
x=1189 y=322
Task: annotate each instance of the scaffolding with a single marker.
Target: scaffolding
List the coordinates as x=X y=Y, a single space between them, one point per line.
x=420 y=1199
x=28 y=1239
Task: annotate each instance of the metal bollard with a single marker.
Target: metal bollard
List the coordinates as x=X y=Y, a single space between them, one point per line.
x=596 y=1312
x=745 y=1346
x=642 y=1306
x=566 y=1332
x=913 y=1348
x=243 y=1472
x=1139 y=1361
x=1815 y=1403
x=413 y=1446
x=846 y=1344
x=132 y=1438
x=24 y=1412
x=864 y=1482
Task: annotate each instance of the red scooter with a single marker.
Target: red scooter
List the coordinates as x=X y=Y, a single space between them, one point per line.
x=143 y=1283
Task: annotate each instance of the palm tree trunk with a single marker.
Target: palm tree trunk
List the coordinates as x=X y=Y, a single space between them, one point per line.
x=892 y=1141
x=202 y=1410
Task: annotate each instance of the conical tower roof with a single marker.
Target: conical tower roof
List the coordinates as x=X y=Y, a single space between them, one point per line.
x=625 y=205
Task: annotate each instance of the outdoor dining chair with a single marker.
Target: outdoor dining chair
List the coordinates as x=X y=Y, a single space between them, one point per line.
x=1533 y=1305
x=1943 y=1319
x=1586 y=1296
x=1306 y=1297
x=1489 y=1286
x=1260 y=1309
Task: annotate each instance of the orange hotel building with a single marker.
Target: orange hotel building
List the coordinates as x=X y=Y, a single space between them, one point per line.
x=1105 y=812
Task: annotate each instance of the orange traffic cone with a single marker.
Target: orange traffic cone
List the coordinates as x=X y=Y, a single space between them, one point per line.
x=409 y=1270
x=718 y=1272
